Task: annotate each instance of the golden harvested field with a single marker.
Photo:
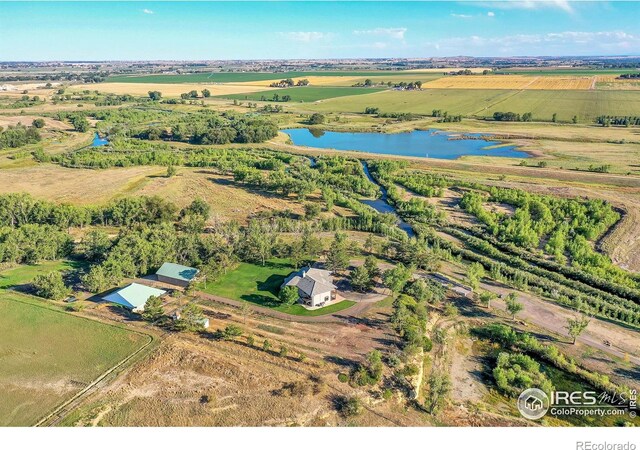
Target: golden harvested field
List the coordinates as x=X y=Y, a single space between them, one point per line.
x=511 y=82
x=168 y=90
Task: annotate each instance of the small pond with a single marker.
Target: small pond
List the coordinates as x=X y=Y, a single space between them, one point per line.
x=98 y=141
x=420 y=143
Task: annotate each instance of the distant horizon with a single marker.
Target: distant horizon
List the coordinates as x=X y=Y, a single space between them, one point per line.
x=241 y=31
x=407 y=58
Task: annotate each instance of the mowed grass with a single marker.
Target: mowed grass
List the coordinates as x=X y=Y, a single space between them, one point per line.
x=48 y=356
x=260 y=284
x=587 y=105
x=305 y=94
x=24 y=274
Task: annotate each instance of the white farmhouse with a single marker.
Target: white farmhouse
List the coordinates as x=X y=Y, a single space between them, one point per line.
x=315 y=286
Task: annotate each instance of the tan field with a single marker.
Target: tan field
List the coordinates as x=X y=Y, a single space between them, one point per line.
x=168 y=90
x=6 y=121
x=512 y=82
x=85 y=186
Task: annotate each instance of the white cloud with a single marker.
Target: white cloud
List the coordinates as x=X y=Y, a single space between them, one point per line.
x=461 y=16
x=491 y=14
x=393 y=33
x=559 y=43
x=147 y=11
x=564 y=5
x=306 y=36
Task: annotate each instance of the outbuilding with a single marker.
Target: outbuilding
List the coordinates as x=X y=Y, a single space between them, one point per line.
x=176 y=274
x=134 y=296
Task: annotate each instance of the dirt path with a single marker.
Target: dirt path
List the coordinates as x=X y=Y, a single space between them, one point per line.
x=553 y=317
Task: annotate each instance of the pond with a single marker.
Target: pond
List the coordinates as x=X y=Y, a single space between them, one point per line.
x=98 y=141
x=420 y=143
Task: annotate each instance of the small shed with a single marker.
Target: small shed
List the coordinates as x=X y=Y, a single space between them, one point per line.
x=176 y=274
x=134 y=296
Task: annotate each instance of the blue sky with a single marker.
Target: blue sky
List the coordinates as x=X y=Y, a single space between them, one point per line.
x=289 y=30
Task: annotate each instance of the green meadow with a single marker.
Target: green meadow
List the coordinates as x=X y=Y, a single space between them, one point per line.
x=306 y=93
x=587 y=105
x=49 y=355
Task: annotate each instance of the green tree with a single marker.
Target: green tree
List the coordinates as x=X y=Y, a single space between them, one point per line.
x=360 y=279
x=231 y=332
x=338 y=256
x=38 y=123
x=371 y=265
x=439 y=388
x=475 y=273
x=396 y=278
x=206 y=93
x=266 y=345
x=513 y=305
x=79 y=123
x=155 y=95
x=576 y=326
x=288 y=295
x=171 y=171
x=153 y=309
x=317 y=119
x=95 y=245
x=191 y=318
x=486 y=297
x=50 y=285
x=369 y=244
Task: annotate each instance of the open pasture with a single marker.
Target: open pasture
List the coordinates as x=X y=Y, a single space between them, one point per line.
x=168 y=90
x=306 y=93
x=86 y=186
x=512 y=82
x=48 y=356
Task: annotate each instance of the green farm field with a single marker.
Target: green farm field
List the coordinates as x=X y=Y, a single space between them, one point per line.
x=260 y=285
x=306 y=93
x=48 y=356
x=242 y=77
x=587 y=105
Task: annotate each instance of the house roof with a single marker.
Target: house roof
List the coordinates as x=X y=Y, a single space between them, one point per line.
x=311 y=281
x=177 y=271
x=134 y=295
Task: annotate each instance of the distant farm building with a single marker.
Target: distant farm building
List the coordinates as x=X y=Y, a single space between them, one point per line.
x=315 y=286
x=176 y=274
x=134 y=296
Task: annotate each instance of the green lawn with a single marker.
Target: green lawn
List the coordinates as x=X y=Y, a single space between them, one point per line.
x=48 y=356
x=305 y=93
x=587 y=105
x=23 y=274
x=260 y=285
